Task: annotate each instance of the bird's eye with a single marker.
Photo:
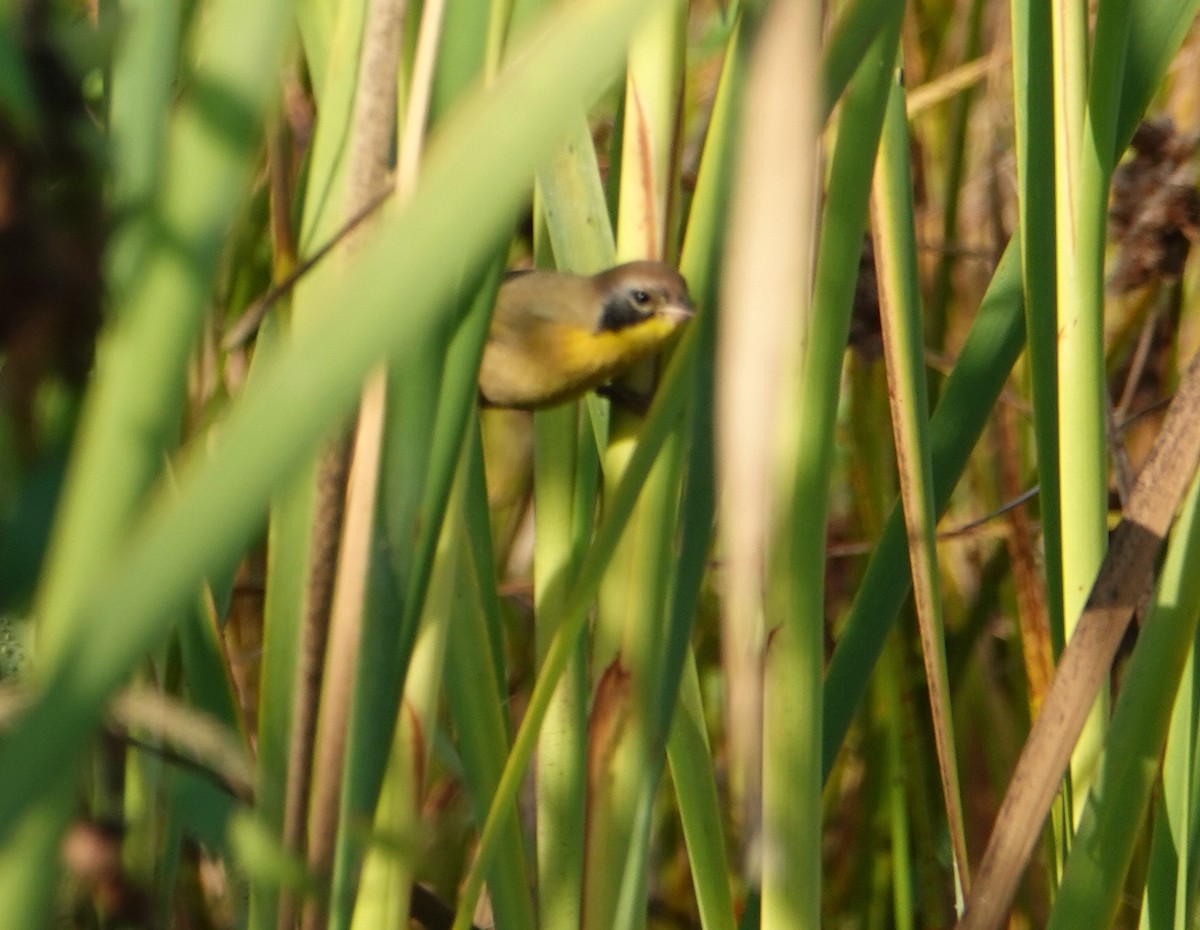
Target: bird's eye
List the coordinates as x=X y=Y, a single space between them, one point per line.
x=641 y=298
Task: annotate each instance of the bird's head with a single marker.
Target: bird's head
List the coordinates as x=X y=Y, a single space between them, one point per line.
x=643 y=294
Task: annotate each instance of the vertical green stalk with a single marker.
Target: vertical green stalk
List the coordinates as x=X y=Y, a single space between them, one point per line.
x=1032 y=108
x=649 y=170
x=690 y=757
x=382 y=898
x=900 y=312
x=566 y=475
x=792 y=773
x=679 y=730
x=898 y=777
x=560 y=442
x=1085 y=144
x=475 y=686
x=858 y=24
x=328 y=160
x=293 y=649
x=289 y=528
x=1083 y=457
x=956 y=152
x=629 y=626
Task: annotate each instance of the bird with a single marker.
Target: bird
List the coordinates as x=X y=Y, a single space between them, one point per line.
x=554 y=336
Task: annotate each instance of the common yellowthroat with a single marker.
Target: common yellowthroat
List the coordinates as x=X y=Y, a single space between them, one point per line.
x=555 y=336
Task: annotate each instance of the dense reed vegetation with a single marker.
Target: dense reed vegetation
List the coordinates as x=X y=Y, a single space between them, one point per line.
x=281 y=641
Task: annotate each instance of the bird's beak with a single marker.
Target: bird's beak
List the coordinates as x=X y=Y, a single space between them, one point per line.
x=679 y=312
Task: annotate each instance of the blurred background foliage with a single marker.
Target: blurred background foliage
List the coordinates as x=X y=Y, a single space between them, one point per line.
x=279 y=644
